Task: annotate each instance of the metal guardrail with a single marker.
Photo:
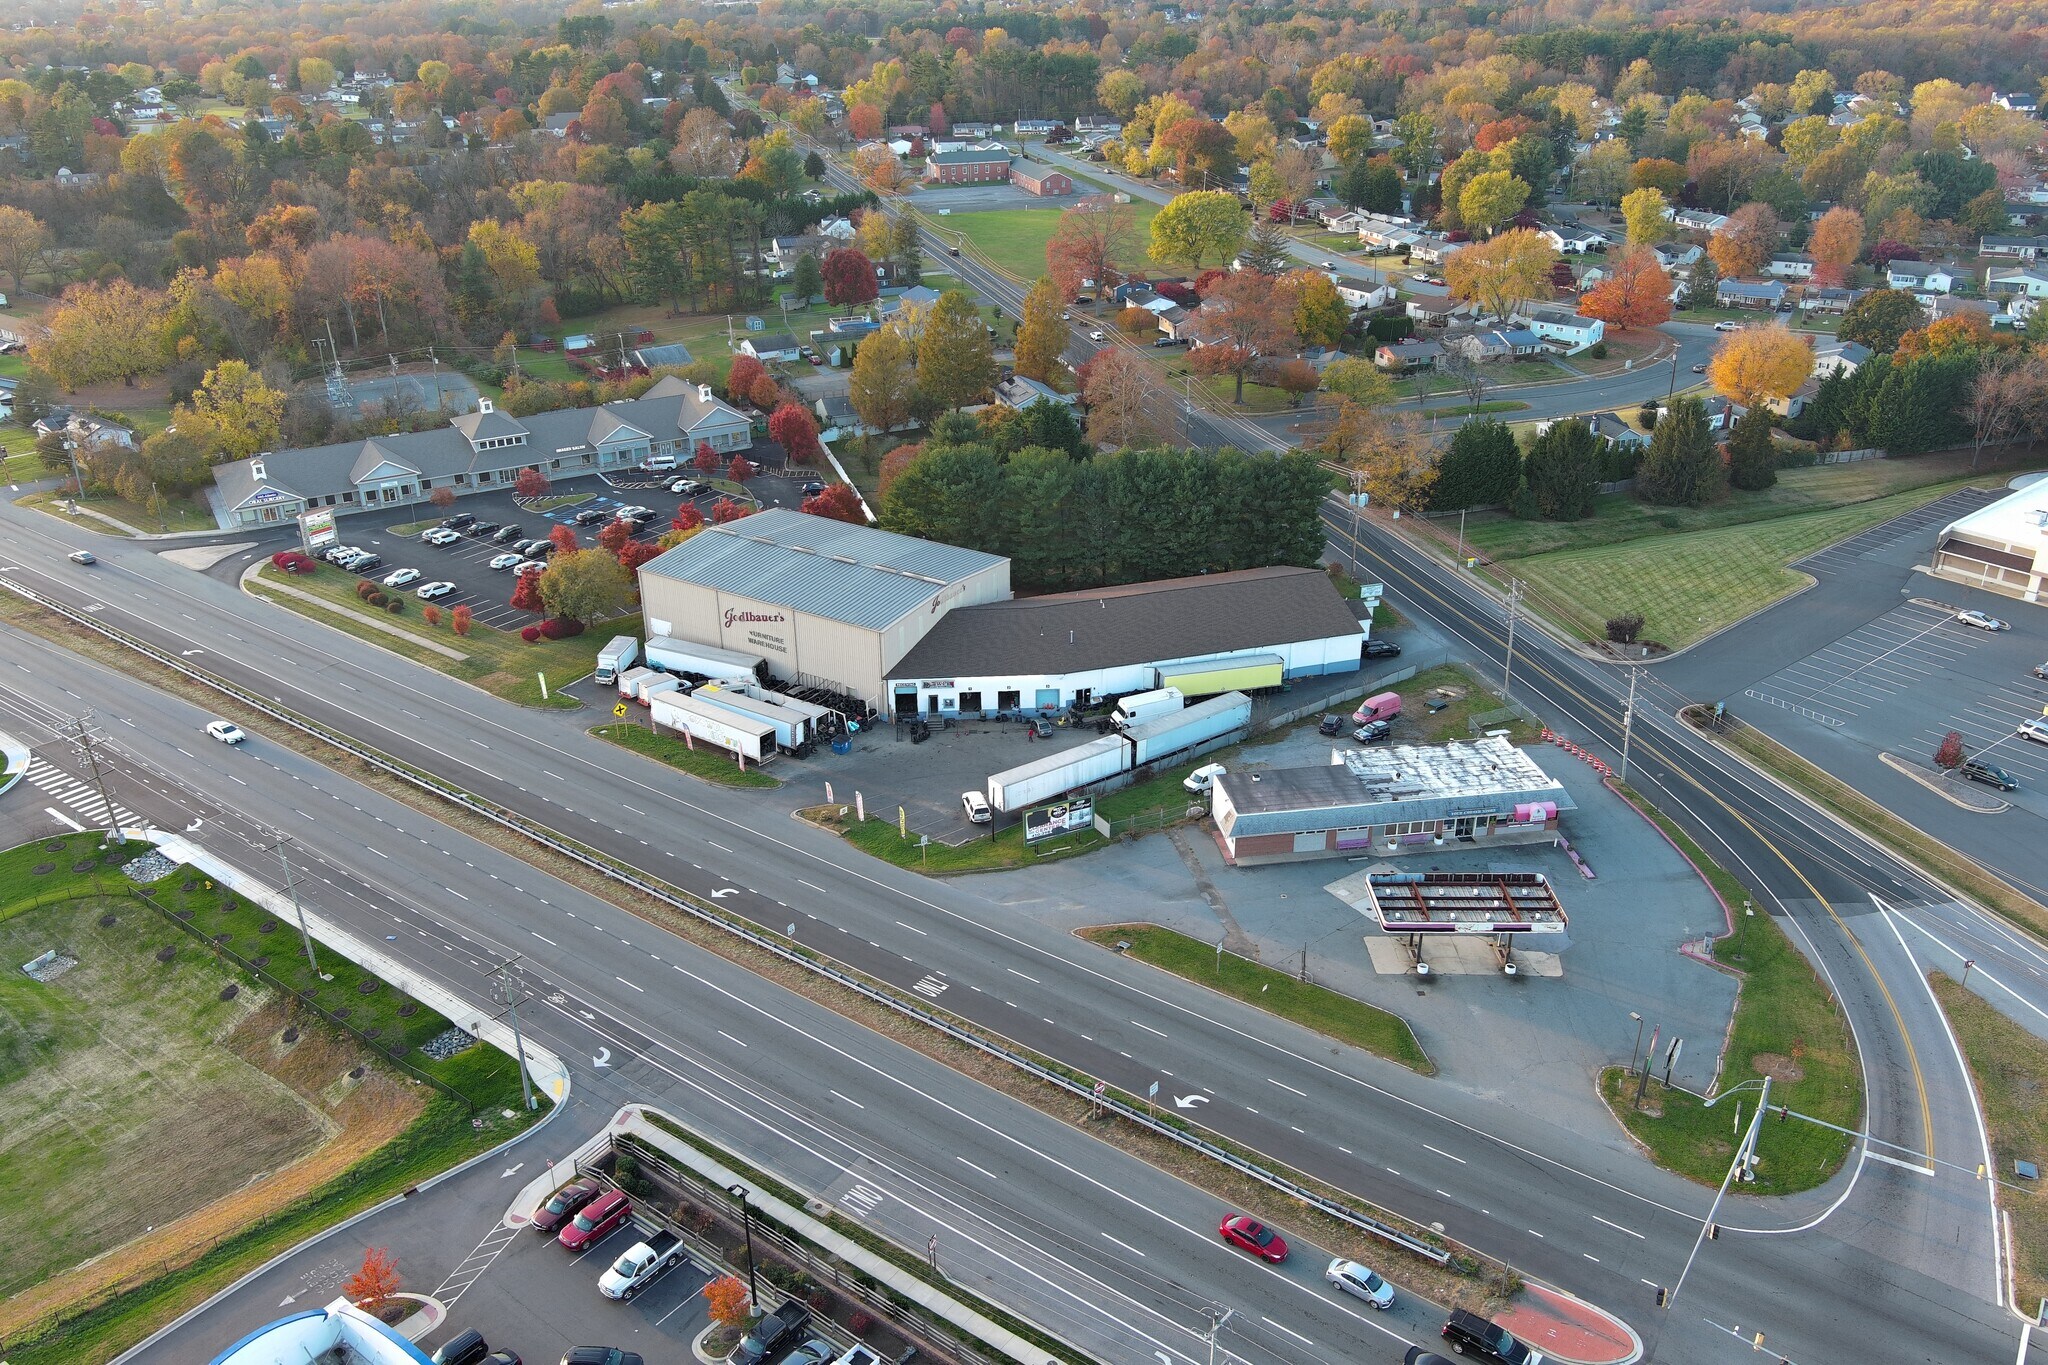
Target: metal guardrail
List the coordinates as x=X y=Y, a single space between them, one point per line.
x=675 y=898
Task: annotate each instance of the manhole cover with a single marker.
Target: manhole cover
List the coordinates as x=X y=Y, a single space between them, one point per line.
x=230 y=991
x=42 y=869
x=109 y=921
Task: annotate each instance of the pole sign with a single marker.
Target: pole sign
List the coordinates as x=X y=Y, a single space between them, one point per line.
x=317 y=527
x=1047 y=822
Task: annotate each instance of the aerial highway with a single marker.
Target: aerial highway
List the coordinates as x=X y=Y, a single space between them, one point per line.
x=1576 y=1210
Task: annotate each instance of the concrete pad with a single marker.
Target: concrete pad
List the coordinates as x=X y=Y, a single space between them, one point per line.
x=204 y=557
x=1450 y=955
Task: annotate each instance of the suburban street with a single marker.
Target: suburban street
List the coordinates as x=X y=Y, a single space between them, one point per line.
x=1581 y=1212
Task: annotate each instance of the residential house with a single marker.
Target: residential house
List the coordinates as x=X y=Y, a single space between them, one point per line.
x=1791 y=265
x=1434 y=250
x=1403 y=357
x=1340 y=219
x=969 y=166
x=769 y=346
x=1435 y=311
x=2019 y=102
x=917 y=296
x=1037 y=127
x=1941 y=306
x=82 y=431
x=1561 y=330
x=2011 y=246
x=1575 y=239
x=1678 y=255
x=1358 y=294
x=1175 y=321
x=2003 y=280
x=1830 y=300
x=1922 y=278
x=787 y=250
x=76 y=180
x=1034 y=178
x=1763 y=295
x=975 y=131
x=476 y=452
x=837 y=418
x=1020 y=393
x=1721 y=413
x=1088 y=126
x=557 y=125
x=1839 y=357
x=1699 y=220
x=840 y=230
x=1608 y=425
x=1495 y=344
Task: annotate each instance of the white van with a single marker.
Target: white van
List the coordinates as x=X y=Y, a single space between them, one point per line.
x=660 y=464
x=1204 y=777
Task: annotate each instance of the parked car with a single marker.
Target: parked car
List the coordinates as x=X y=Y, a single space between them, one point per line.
x=1361 y=1282
x=507 y=534
x=563 y=1205
x=226 y=731
x=539 y=549
x=976 y=806
x=477 y=530
x=1204 y=777
x=1247 y=1233
x=600 y=1355
x=466 y=1348
x=2036 y=730
x=527 y=566
x=686 y=487
x=440 y=535
x=398 y=578
x=502 y=562
x=365 y=562
x=1981 y=620
x=1726 y=326
x=429 y=591
x=458 y=521
x=813 y=488
x=1382 y=649
x=1977 y=770
x=1471 y=1334
x=503 y=1358
x=1372 y=732
x=816 y=1351
x=1331 y=725
x=596 y=1220
x=83 y=557
x=590 y=516
x=771 y=1332
x=1418 y=1356
x=2041 y=670
x=334 y=554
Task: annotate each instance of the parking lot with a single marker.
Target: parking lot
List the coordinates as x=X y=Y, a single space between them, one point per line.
x=1917 y=644
x=973 y=198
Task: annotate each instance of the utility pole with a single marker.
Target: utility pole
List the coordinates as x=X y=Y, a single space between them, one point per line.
x=1628 y=717
x=292 y=890
x=79 y=732
x=1673 y=388
x=1507 y=675
x=1217 y=1317
x=506 y=991
x=1461 y=531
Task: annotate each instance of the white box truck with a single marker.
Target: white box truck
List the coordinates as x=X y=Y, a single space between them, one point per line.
x=630 y=680
x=1140 y=707
x=616 y=657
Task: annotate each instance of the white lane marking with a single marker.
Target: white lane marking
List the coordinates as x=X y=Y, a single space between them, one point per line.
x=1902 y=1165
x=1125 y=1245
x=545 y=939
x=1441 y=1152
x=1591 y=1257
x=631 y=808
x=912 y=928
x=1282 y=1084
x=453 y=892
x=819 y=889
x=1032 y=979
x=1534 y=1233
x=1149 y=1029
x=381 y=854
x=1631 y=1231
x=623 y=982
x=855 y=1103
x=1289 y=1330
x=971 y=1166
x=730 y=1039
x=62 y=818
x=720 y=847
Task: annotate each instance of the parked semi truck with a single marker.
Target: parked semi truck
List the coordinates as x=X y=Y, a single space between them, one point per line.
x=703 y=661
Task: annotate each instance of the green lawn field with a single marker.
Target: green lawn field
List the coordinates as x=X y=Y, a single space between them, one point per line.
x=1014 y=239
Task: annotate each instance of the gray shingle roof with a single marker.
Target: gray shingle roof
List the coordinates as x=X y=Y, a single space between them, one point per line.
x=968 y=156
x=1175 y=618
x=826 y=568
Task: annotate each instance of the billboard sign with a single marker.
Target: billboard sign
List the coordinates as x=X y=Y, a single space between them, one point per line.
x=317 y=526
x=1049 y=822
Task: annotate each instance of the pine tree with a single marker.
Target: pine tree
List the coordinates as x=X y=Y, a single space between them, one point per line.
x=1482 y=468
x=1265 y=250
x=1752 y=456
x=806 y=281
x=1563 y=470
x=1683 y=467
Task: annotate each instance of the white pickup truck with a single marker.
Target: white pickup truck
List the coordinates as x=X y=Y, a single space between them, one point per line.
x=641 y=1266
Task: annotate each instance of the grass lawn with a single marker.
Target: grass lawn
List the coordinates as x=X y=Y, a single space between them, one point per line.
x=2010 y=1066
x=1282 y=993
x=981 y=854
x=502 y=664
x=1257 y=397
x=1529 y=372
x=1466 y=698
x=178 y=514
x=13 y=366
x=705 y=761
x=202 y=1112
x=1787 y=1026
x=1014 y=239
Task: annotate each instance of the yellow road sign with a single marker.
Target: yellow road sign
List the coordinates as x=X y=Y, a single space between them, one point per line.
x=619 y=710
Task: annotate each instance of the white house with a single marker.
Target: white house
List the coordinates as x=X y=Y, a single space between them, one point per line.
x=771 y=346
x=2026 y=280
x=1020 y=393
x=1360 y=296
x=1562 y=331
x=1921 y=277
x=1838 y=357
x=1574 y=239
x=1791 y=265
x=1699 y=220
x=2019 y=102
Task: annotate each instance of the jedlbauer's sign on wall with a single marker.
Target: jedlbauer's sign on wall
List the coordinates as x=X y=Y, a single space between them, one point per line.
x=754 y=627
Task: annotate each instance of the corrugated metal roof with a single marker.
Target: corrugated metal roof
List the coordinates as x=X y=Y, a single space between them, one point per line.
x=826 y=568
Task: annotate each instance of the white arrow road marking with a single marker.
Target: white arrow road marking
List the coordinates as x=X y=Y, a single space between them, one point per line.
x=288 y=1300
x=194 y=826
x=510 y=1171
x=724 y=891
x=603 y=1057
x=188 y=653
x=1189 y=1101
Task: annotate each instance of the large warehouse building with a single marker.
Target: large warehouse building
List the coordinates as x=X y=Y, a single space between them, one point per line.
x=912 y=627
x=2001 y=547
x=826 y=603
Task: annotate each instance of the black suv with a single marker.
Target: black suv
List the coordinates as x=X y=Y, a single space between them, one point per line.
x=1382 y=649
x=779 y=1328
x=459 y=521
x=1331 y=725
x=1469 y=1333
x=479 y=529
x=508 y=534
x=590 y=516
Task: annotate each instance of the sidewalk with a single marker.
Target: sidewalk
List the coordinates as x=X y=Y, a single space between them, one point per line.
x=396 y=632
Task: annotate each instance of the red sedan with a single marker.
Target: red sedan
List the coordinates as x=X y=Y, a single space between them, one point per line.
x=1249 y=1234
x=568 y=1200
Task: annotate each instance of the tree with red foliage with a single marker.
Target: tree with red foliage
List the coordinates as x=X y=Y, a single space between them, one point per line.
x=459 y=620
x=375 y=1281
x=526 y=594
x=1247 y=318
x=531 y=483
x=796 y=432
x=864 y=121
x=443 y=498
x=838 y=502
x=687 y=517
x=1636 y=293
x=766 y=393
x=1501 y=132
x=1950 y=755
x=1883 y=253
x=726 y=1298
x=849 y=277
x=898 y=460
x=705 y=461
x=563 y=538
x=1208 y=280
x=936 y=120
x=635 y=553
x=726 y=510
x=614 y=534
x=740 y=470
x=740 y=380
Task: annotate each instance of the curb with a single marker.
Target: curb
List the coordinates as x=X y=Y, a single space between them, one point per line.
x=1905 y=769
x=255 y=571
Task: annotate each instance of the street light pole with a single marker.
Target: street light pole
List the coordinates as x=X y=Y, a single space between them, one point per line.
x=1216 y=1321
x=1744 y=1156
x=1507 y=674
x=292 y=889
x=739 y=1192
x=1628 y=719
x=507 y=992
x=1672 y=389
x=1636 y=1049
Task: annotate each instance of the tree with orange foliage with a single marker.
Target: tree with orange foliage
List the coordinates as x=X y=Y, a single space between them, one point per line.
x=893 y=465
x=1636 y=292
x=1757 y=363
x=1744 y=244
x=1954 y=335
x=375 y=1281
x=726 y=1299
x=1836 y=242
x=864 y=121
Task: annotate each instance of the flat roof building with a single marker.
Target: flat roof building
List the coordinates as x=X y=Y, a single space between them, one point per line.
x=1401 y=799
x=2001 y=547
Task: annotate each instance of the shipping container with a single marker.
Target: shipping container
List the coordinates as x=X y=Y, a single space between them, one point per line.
x=704 y=661
x=1140 y=707
x=1205 y=720
x=630 y=680
x=713 y=725
x=792 y=728
x=1047 y=777
x=1207 y=677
